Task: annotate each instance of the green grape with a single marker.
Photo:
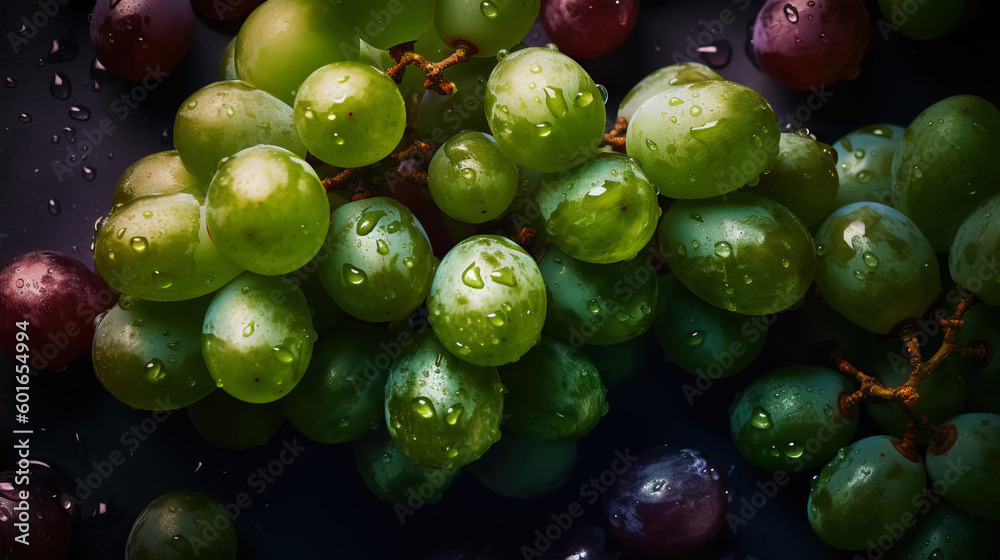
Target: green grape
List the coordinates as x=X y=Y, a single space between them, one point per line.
x=349 y=114
x=488 y=25
x=875 y=267
x=864 y=164
x=233 y=424
x=679 y=74
x=982 y=377
x=520 y=467
x=159 y=173
x=544 y=109
x=470 y=179
x=148 y=355
x=867 y=486
x=790 y=418
x=555 y=393
x=182 y=524
x=440 y=117
x=223 y=118
x=341 y=395
x=943 y=168
x=942 y=395
x=283 y=41
x=703 y=139
x=158 y=248
x=378 y=264
x=741 y=252
x=967 y=464
x=602 y=211
x=392 y=477
x=701 y=338
x=487 y=302
x=257 y=337
x=973 y=259
x=227 y=65
x=928 y=19
x=387 y=23
x=945 y=532
x=267 y=210
x=619 y=363
x=442 y=412
x=597 y=303
x=803 y=178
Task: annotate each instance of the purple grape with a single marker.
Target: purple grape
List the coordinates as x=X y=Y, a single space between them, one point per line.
x=581 y=543
x=669 y=503
x=136 y=39
x=49 y=521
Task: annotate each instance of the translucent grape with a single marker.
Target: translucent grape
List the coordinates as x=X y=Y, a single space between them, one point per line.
x=176 y=525
x=158 y=248
x=393 y=477
x=803 y=178
x=875 y=267
x=973 y=259
x=742 y=252
x=943 y=170
x=544 y=109
x=442 y=412
x=489 y=25
x=864 y=164
x=520 y=467
x=487 y=302
x=703 y=139
x=284 y=41
x=233 y=424
x=223 y=118
x=257 y=338
x=679 y=74
x=267 y=210
x=386 y=23
x=378 y=264
x=162 y=172
x=966 y=463
x=349 y=114
x=148 y=355
x=470 y=179
x=602 y=211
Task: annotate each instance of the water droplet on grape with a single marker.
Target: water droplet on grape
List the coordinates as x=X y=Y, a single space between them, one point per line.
x=79 y=113
x=54 y=207
x=423 y=407
x=138 y=244
x=60 y=88
x=354 y=275
x=760 y=418
x=155 y=370
x=382 y=247
x=489 y=9
x=791 y=13
x=723 y=249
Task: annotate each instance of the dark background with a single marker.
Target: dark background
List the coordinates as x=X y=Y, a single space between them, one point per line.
x=319 y=507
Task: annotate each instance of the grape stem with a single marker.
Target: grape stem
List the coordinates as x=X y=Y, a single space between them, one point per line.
x=404 y=56
x=361 y=177
x=616 y=136
x=527 y=238
x=906 y=395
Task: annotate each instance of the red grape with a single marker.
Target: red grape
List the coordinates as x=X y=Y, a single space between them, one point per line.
x=669 y=503
x=810 y=44
x=589 y=28
x=59 y=298
x=50 y=524
x=139 y=38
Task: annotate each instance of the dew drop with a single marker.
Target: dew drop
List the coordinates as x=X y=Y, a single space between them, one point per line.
x=472 y=278
x=248 y=330
x=354 y=275
x=138 y=244
x=382 y=247
x=79 y=113
x=760 y=418
x=695 y=338
x=283 y=354
x=24 y=117
x=162 y=280
x=155 y=370
x=489 y=9
x=791 y=13
x=88 y=173
x=423 y=407
x=60 y=87
x=723 y=249
x=54 y=207
x=453 y=413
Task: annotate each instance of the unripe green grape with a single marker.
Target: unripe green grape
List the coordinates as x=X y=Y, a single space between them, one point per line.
x=233 y=424
x=487 y=302
x=223 y=118
x=227 y=64
x=440 y=116
x=470 y=179
x=694 y=333
x=864 y=164
x=378 y=264
x=283 y=41
x=544 y=110
x=966 y=464
x=387 y=23
x=867 y=486
x=174 y=526
x=521 y=467
x=267 y=210
x=875 y=267
x=790 y=418
x=554 y=393
x=803 y=177
x=703 y=139
x=943 y=169
x=489 y=25
x=742 y=252
x=679 y=74
x=602 y=211
x=442 y=412
x=392 y=476
x=946 y=532
x=928 y=19
x=158 y=248
x=159 y=173
x=340 y=397
x=349 y=114
x=257 y=337
x=148 y=355
x=973 y=259
x=597 y=304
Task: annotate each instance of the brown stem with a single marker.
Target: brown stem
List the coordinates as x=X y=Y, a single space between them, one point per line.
x=404 y=56
x=616 y=136
x=342 y=179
